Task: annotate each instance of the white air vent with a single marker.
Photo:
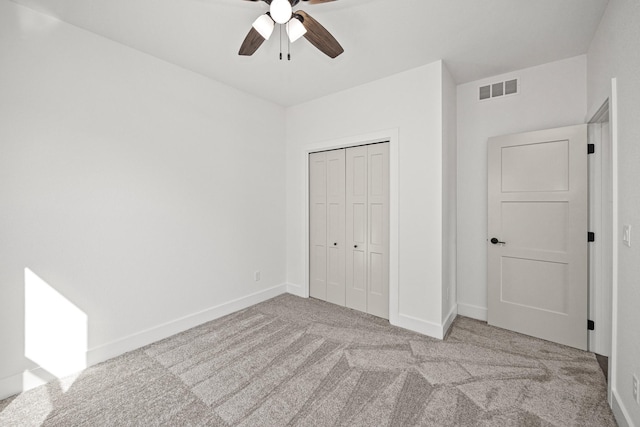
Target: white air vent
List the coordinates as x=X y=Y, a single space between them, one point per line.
x=511 y=87
x=495 y=90
x=485 y=92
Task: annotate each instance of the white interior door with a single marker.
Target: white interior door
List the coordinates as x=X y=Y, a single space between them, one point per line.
x=378 y=230
x=318 y=225
x=357 y=228
x=335 y=226
x=537 y=243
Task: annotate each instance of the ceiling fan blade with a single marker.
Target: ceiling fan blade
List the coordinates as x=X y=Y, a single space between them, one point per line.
x=317 y=1
x=251 y=43
x=319 y=36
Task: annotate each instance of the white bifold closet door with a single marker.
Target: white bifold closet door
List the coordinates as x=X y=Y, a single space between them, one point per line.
x=327 y=190
x=349 y=228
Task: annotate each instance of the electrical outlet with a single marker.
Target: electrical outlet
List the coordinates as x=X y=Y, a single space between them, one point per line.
x=636 y=390
x=626 y=235
x=256 y=276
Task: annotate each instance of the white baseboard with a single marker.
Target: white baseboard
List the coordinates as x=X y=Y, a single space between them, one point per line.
x=296 y=290
x=449 y=320
x=10 y=386
x=157 y=333
x=473 y=311
x=620 y=411
x=403 y=321
x=24 y=381
x=423 y=327
x=38 y=376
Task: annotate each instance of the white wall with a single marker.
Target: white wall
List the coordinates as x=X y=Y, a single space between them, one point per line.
x=449 y=197
x=139 y=191
x=410 y=103
x=615 y=52
x=551 y=95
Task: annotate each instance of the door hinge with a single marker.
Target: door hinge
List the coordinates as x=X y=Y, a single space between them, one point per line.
x=591 y=148
x=591 y=325
x=591 y=236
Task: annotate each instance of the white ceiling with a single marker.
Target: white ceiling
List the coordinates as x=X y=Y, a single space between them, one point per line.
x=475 y=38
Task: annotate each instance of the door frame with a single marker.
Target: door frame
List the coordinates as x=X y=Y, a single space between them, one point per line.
x=599 y=263
x=594 y=116
x=392 y=137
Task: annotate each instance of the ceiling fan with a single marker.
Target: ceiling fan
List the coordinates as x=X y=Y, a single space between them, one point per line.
x=297 y=24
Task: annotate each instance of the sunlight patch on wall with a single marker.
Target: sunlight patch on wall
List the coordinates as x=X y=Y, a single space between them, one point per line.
x=55 y=329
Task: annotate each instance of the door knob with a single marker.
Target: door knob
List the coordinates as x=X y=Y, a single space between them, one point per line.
x=355 y=246
x=335 y=244
x=496 y=241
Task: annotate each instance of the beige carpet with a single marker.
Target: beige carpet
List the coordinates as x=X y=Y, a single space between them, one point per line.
x=292 y=361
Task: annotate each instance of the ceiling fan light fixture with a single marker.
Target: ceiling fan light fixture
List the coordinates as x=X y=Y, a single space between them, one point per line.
x=264 y=25
x=281 y=11
x=295 y=29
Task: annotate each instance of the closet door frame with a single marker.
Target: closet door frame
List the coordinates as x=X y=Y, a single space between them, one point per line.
x=392 y=137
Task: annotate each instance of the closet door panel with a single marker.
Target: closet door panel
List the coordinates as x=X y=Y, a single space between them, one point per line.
x=356 y=228
x=378 y=230
x=336 y=226
x=318 y=225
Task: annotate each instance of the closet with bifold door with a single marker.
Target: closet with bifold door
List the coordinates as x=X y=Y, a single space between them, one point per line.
x=349 y=227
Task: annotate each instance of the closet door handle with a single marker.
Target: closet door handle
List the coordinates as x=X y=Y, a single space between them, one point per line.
x=335 y=244
x=355 y=246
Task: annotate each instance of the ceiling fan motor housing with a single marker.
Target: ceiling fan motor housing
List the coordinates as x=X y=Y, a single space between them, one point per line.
x=281 y=11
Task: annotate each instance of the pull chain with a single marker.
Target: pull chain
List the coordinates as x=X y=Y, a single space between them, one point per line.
x=289 y=49
x=280 y=42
